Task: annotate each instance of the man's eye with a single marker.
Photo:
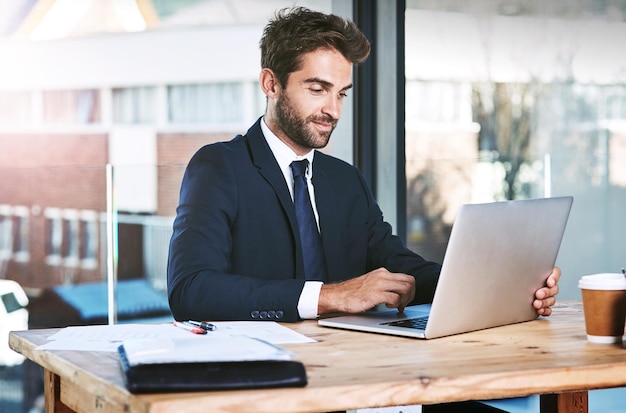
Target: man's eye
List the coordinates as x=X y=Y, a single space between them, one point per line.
x=343 y=94
x=317 y=90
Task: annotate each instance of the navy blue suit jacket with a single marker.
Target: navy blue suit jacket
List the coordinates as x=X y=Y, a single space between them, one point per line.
x=235 y=252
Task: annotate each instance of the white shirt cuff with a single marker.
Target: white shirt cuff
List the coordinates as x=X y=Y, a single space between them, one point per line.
x=309 y=300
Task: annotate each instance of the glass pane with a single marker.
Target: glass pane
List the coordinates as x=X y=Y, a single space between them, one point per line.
x=218 y=103
x=142 y=100
x=511 y=101
x=134 y=105
x=69 y=107
x=6 y=232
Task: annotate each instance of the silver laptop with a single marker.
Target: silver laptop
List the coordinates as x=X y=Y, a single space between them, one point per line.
x=498 y=255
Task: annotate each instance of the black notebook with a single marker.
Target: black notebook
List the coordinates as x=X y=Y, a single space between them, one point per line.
x=196 y=364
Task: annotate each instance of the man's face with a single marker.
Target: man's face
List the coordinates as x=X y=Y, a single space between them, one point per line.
x=307 y=110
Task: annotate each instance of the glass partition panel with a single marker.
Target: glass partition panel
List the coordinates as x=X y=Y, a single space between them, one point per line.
x=514 y=101
x=138 y=98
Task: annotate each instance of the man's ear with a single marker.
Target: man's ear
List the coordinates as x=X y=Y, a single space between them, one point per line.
x=269 y=83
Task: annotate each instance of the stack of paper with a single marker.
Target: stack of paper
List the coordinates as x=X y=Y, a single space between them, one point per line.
x=191 y=350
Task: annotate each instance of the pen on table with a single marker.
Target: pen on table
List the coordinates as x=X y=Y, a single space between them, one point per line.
x=190 y=328
x=203 y=325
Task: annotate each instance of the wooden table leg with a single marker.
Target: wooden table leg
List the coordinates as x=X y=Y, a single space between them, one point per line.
x=574 y=402
x=52 y=393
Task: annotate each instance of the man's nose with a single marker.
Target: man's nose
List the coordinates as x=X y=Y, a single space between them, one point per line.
x=332 y=106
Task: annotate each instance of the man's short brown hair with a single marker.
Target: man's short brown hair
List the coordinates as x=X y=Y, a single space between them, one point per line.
x=294 y=32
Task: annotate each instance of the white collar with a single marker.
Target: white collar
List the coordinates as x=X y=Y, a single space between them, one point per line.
x=284 y=154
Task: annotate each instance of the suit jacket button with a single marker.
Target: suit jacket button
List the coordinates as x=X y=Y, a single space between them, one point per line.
x=254 y=314
x=279 y=314
x=263 y=315
x=271 y=314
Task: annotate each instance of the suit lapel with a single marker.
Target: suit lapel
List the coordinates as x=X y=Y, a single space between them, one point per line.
x=267 y=166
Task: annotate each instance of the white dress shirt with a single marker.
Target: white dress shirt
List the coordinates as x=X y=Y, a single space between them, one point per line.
x=309 y=298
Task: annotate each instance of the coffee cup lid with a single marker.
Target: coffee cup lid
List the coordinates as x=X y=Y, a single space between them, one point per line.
x=604 y=281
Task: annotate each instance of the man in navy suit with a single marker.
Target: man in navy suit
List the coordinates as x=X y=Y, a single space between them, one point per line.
x=236 y=252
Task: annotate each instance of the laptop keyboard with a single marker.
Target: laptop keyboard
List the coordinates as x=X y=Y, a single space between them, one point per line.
x=418 y=323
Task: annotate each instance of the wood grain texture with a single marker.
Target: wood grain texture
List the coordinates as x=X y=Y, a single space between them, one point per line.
x=349 y=370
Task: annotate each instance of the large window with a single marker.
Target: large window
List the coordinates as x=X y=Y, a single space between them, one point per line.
x=14 y=234
x=88 y=235
x=21 y=234
x=206 y=103
x=135 y=105
x=511 y=101
x=54 y=236
x=72 y=238
x=6 y=233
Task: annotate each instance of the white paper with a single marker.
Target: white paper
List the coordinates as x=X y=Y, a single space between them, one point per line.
x=269 y=331
x=214 y=349
x=108 y=338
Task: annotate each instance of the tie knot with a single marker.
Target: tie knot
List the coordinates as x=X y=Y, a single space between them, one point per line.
x=299 y=167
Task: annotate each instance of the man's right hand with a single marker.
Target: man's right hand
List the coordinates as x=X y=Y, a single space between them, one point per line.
x=359 y=294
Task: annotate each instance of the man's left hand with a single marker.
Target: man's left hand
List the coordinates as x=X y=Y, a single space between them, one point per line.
x=545 y=297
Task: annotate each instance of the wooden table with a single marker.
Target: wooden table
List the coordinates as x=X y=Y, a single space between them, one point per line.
x=349 y=370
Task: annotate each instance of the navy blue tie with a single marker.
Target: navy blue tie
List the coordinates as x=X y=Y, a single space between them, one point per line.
x=313 y=254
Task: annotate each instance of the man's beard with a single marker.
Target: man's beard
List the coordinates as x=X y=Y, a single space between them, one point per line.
x=296 y=127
